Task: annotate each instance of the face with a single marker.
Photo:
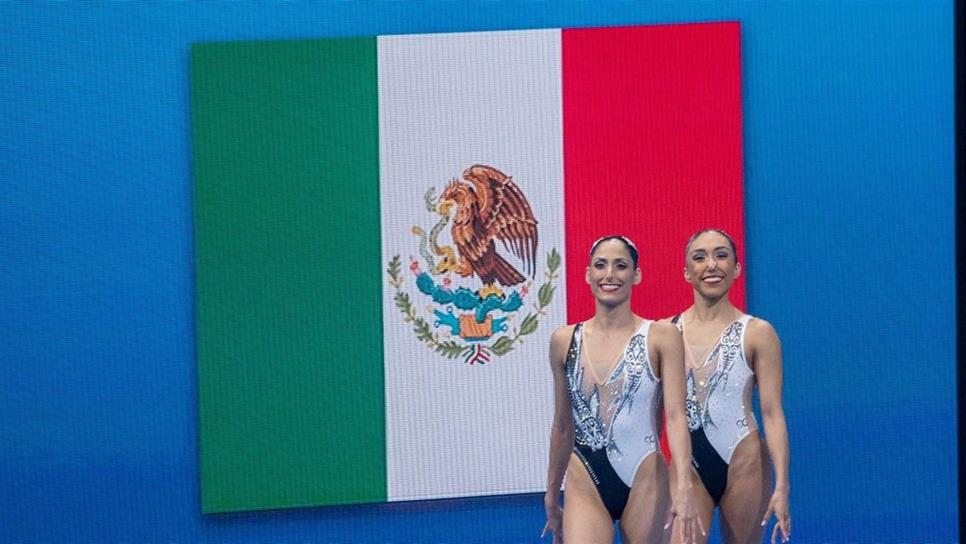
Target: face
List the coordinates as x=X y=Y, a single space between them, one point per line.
x=710 y=265
x=612 y=273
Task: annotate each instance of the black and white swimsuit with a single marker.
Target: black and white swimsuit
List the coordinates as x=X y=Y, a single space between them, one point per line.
x=719 y=405
x=616 y=421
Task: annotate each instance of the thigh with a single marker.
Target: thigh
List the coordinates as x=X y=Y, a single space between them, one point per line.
x=648 y=505
x=585 y=518
x=749 y=488
x=703 y=505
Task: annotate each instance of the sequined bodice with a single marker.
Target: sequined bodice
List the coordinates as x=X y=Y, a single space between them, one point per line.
x=602 y=411
x=719 y=391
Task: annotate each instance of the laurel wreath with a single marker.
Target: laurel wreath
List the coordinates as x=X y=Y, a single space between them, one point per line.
x=472 y=353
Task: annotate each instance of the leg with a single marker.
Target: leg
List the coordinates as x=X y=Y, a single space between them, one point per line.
x=748 y=492
x=648 y=505
x=703 y=505
x=585 y=519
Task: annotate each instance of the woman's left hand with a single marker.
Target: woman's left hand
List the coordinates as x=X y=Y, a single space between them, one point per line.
x=684 y=512
x=778 y=505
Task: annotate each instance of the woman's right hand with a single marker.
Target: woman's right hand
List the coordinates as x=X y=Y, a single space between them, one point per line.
x=554 y=518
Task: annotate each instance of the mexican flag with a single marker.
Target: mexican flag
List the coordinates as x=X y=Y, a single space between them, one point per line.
x=388 y=229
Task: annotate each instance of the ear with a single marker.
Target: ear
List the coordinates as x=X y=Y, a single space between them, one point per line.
x=687 y=275
x=637 y=275
x=737 y=270
x=587 y=275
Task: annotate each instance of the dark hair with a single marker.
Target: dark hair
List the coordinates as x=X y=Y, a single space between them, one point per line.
x=727 y=236
x=631 y=248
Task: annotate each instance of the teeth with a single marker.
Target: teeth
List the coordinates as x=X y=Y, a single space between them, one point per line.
x=609 y=287
x=712 y=280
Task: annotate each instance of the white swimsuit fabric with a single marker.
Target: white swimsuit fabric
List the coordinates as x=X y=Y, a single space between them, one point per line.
x=621 y=413
x=719 y=391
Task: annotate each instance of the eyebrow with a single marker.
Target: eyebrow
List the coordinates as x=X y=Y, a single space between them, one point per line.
x=726 y=248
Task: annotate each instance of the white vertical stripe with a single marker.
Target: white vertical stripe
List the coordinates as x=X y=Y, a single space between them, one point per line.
x=446 y=102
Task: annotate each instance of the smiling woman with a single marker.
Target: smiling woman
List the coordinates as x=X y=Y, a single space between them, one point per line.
x=848 y=113
x=610 y=373
x=728 y=353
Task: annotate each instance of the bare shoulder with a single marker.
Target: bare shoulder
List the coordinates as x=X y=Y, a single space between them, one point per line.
x=761 y=329
x=664 y=333
x=664 y=327
x=560 y=342
x=761 y=335
x=562 y=334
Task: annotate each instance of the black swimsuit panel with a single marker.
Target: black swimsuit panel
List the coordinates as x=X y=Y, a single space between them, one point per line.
x=612 y=490
x=711 y=468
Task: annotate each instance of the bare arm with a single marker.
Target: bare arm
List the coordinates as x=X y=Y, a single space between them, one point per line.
x=669 y=351
x=561 y=431
x=765 y=350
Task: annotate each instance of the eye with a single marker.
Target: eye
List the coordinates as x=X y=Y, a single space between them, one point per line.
x=722 y=255
x=697 y=257
x=621 y=266
x=599 y=265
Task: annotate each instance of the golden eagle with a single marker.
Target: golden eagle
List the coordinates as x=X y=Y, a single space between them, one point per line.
x=490 y=207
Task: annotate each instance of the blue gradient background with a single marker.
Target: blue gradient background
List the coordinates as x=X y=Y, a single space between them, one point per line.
x=850 y=226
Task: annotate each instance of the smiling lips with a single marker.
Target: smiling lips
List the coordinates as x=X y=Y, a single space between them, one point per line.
x=712 y=279
x=609 y=287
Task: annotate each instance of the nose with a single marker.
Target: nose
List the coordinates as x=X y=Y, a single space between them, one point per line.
x=712 y=264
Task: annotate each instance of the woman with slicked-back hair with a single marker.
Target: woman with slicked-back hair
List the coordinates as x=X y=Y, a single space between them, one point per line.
x=610 y=373
x=728 y=354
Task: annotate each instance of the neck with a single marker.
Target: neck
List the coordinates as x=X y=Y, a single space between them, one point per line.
x=614 y=317
x=706 y=309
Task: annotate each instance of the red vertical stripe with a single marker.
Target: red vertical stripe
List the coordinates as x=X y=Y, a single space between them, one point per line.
x=652 y=149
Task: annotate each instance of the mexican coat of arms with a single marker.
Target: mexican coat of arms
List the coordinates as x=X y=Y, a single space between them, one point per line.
x=473 y=291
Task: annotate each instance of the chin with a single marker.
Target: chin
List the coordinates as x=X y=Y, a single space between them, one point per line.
x=610 y=299
x=714 y=292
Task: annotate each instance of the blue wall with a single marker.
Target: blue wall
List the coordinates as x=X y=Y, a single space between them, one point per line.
x=850 y=225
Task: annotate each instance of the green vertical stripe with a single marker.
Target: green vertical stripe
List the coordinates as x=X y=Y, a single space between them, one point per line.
x=288 y=273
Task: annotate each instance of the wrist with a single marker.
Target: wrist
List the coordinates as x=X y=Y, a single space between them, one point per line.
x=551 y=498
x=782 y=488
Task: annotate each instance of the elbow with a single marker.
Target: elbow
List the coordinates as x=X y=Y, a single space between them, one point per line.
x=674 y=415
x=562 y=430
x=773 y=416
x=567 y=433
